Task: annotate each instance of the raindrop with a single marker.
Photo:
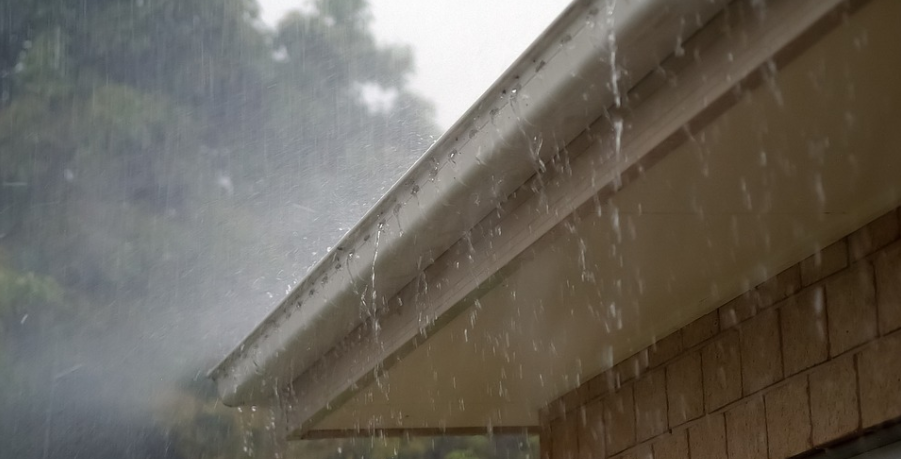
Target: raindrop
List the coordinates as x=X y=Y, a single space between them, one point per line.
x=612 y=47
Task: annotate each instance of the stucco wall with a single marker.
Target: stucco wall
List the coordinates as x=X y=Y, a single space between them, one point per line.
x=809 y=358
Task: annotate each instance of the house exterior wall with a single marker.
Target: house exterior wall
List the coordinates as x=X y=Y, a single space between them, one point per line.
x=809 y=358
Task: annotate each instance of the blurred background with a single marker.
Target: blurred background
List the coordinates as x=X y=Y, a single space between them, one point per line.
x=170 y=169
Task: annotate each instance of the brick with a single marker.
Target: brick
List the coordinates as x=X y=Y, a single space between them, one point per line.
x=788 y=419
x=584 y=393
x=573 y=422
x=673 y=446
x=707 y=438
x=639 y=452
x=851 y=308
x=556 y=409
x=741 y=308
x=684 y=389
x=803 y=324
x=761 y=355
x=877 y=234
x=619 y=421
x=779 y=287
x=701 y=330
x=632 y=367
x=601 y=384
x=665 y=349
x=888 y=288
x=572 y=399
x=545 y=438
x=830 y=260
x=833 y=400
x=879 y=370
x=746 y=431
x=650 y=405
x=722 y=371
x=591 y=432
x=563 y=442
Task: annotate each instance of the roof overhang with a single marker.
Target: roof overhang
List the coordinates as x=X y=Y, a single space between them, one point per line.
x=541 y=191
x=554 y=91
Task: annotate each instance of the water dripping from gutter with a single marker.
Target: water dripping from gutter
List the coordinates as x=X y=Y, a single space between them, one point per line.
x=373 y=306
x=611 y=43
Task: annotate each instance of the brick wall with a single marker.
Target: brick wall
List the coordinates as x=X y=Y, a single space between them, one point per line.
x=809 y=358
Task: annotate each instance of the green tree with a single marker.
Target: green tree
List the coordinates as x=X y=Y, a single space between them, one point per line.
x=158 y=159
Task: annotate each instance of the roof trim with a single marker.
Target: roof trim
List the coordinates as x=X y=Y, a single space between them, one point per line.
x=538 y=106
x=662 y=121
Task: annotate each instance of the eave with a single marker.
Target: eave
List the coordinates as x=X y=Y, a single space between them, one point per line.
x=536 y=108
x=602 y=157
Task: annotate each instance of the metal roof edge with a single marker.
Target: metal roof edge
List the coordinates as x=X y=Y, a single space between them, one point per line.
x=531 y=111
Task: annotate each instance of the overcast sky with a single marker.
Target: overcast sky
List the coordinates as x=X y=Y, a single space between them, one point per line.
x=461 y=46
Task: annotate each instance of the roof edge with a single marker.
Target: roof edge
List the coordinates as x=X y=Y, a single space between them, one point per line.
x=537 y=106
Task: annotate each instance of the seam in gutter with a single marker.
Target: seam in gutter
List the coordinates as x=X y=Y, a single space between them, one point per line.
x=535 y=108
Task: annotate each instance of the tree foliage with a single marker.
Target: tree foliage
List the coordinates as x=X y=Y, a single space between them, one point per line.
x=160 y=159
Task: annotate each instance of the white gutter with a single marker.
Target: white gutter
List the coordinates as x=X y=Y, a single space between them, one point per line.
x=554 y=91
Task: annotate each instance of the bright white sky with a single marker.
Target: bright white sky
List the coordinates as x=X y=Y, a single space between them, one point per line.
x=460 y=46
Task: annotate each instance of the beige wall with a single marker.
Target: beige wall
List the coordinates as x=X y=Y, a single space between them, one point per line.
x=809 y=358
